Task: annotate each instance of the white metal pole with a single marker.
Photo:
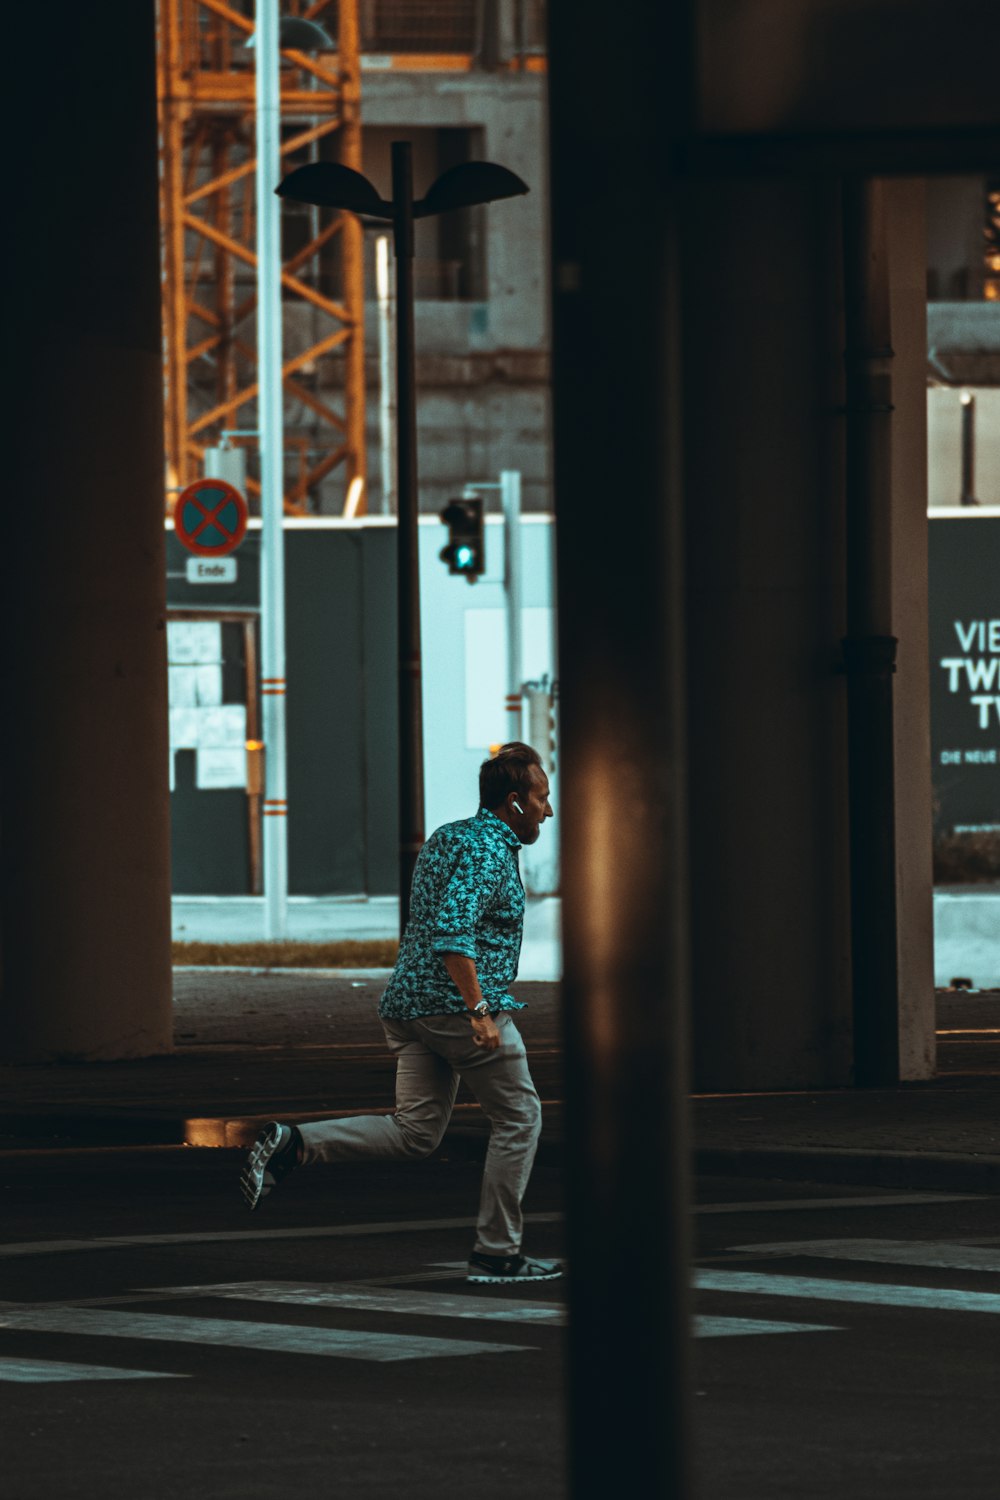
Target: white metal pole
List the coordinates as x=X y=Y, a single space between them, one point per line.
x=510 y=494
x=387 y=384
x=272 y=570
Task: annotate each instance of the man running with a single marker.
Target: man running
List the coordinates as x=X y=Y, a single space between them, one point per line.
x=447 y=1015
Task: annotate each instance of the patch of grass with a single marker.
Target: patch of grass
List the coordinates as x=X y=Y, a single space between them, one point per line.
x=349 y=954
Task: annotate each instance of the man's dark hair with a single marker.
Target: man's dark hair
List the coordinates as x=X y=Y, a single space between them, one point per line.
x=507 y=771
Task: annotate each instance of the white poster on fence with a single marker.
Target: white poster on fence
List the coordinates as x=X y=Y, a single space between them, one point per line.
x=220 y=766
x=222 y=754
x=194 y=641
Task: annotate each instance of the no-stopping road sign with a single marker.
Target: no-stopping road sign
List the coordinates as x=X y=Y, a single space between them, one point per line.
x=210 y=517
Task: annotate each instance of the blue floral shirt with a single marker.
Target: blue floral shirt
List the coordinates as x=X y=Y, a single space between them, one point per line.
x=467 y=898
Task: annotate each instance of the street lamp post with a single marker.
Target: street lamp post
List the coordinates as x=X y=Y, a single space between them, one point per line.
x=336 y=186
x=272 y=488
x=410 y=697
x=270 y=35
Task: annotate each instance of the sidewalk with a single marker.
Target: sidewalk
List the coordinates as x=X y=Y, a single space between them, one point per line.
x=324 y=919
x=252 y=1045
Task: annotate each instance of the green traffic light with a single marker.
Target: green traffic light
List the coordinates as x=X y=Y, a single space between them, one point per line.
x=465 y=551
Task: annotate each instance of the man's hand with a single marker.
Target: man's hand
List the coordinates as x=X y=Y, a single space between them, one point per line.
x=485 y=1033
x=463 y=972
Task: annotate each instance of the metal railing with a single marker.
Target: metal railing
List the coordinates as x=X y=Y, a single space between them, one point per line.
x=420 y=25
x=462 y=27
x=450 y=26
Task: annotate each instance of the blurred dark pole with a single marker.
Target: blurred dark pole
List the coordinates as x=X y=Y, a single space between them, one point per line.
x=617 y=408
x=870 y=646
x=411 y=736
x=968 y=496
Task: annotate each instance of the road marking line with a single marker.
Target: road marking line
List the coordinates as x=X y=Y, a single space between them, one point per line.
x=792 y=1205
x=406 y=1278
x=45 y=1371
x=809 y=1288
x=274 y=1338
x=281 y=1338
x=403 y=1279
x=348 y=1231
x=941 y=1256
x=329 y=1231
x=724 y=1328
x=346 y=1295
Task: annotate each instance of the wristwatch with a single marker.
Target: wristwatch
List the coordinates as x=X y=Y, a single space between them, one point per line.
x=481 y=1008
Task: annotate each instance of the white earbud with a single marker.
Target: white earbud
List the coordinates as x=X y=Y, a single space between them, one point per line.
x=518 y=807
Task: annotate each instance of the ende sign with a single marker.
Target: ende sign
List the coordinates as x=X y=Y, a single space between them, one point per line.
x=202 y=570
x=965 y=672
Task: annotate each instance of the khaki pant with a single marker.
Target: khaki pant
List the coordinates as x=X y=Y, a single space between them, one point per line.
x=432 y=1054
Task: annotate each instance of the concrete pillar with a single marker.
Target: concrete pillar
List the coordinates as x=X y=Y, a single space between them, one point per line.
x=903 y=201
x=765 y=616
x=869 y=647
x=766 y=590
x=85 y=815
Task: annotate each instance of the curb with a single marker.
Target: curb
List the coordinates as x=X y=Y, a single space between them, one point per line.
x=930 y=1170
x=227 y=1140
x=937 y=1171
x=93 y=1131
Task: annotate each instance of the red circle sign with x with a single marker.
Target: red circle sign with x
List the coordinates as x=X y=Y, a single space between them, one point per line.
x=210 y=518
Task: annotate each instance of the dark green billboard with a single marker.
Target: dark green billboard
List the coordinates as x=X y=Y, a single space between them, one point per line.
x=965 y=671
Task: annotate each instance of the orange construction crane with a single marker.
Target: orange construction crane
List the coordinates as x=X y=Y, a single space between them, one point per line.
x=206 y=96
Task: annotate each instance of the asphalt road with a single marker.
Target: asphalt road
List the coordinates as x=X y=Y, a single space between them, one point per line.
x=338 y=1388
x=157 y=1340
x=890 y=1387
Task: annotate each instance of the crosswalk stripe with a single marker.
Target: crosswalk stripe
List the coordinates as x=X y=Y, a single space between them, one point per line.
x=811 y=1288
x=714 y=1328
x=46 y=1371
x=940 y=1255
x=444 y=1305
x=366 y=1299
x=222 y=1332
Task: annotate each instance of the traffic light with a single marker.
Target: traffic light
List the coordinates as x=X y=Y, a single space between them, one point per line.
x=543 y=724
x=465 y=553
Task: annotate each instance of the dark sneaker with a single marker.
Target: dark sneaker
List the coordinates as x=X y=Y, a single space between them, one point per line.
x=272 y=1156
x=502 y=1269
